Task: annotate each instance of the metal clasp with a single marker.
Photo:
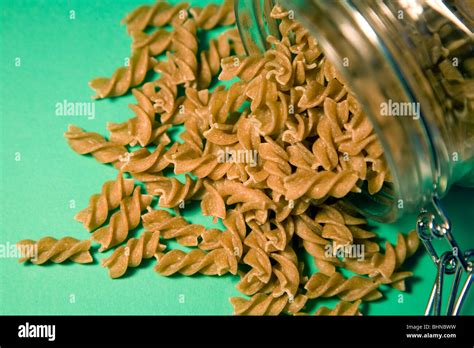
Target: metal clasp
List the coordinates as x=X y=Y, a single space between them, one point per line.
x=451 y=262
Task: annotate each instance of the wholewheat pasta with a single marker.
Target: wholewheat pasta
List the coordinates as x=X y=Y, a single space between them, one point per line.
x=126 y=219
x=272 y=155
x=213 y=15
x=173 y=227
x=158 y=15
x=54 y=250
x=124 y=77
x=342 y=308
x=100 y=204
x=132 y=254
x=84 y=143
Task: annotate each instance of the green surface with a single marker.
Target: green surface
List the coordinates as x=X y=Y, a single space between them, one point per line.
x=58 y=57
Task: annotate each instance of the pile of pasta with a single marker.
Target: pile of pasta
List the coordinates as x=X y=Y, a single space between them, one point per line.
x=289 y=106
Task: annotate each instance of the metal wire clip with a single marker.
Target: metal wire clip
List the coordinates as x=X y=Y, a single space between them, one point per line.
x=451 y=262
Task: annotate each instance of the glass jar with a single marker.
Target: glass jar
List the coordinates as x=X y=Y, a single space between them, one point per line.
x=411 y=55
x=414 y=54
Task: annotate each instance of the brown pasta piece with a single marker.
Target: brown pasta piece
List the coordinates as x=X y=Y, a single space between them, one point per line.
x=210 y=60
x=57 y=251
x=132 y=254
x=92 y=143
x=383 y=266
x=173 y=227
x=342 y=308
x=182 y=64
x=173 y=193
x=124 y=77
x=146 y=166
x=246 y=68
x=100 y=204
x=158 y=15
x=215 y=262
x=157 y=42
x=141 y=129
x=352 y=289
x=126 y=219
x=214 y=15
x=261 y=304
x=317 y=185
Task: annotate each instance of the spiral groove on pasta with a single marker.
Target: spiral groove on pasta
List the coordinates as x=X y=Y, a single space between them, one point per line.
x=141 y=129
x=210 y=60
x=172 y=192
x=92 y=143
x=124 y=77
x=317 y=185
x=173 y=227
x=126 y=219
x=132 y=254
x=383 y=266
x=352 y=289
x=57 y=251
x=261 y=304
x=342 y=308
x=100 y=204
x=158 y=15
x=215 y=262
x=213 y=15
x=146 y=166
x=182 y=64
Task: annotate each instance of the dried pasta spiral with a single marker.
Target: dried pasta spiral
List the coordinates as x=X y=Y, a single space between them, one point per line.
x=132 y=254
x=182 y=63
x=384 y=265
x=57 y=251
x=314 y=93
x=124 y=77
x=261 y=304
x=92 y=143
x=141 y=129
x=231 y=239
x=246 y=68
x=173 y=227
x=317 y=185
x=100 y=204
x=342 y=308
x=210 y=60
x=158 y=15
x=275 y=163
x=172 y=192
x=310 y=233
x=352 y=289
x=126 y=219
x=156 y=42
x=213 y=15
x=215 y=262
x=144 y=165
x=324 y=148
x=226 y=101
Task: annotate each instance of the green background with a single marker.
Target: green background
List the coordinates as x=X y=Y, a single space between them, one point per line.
x=58 y=57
